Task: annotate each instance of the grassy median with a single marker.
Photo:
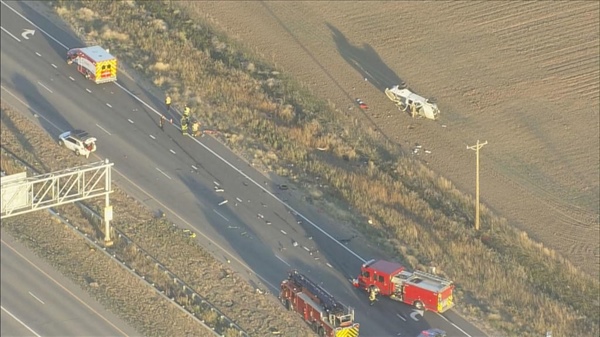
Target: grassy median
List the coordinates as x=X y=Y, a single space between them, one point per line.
x=505 y=279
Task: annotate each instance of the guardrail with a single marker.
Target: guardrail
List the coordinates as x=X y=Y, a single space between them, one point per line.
x=199 y=305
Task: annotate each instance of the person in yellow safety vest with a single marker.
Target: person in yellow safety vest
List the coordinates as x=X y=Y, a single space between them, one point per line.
x=186 y=111
x=184 y=125
x=168 y=102
x=196 y=128
x=372 y=295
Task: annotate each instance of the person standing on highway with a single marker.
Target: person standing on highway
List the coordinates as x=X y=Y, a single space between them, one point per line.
x=184 y=125
x=196 y=128
x=187 y=111
x=372 y=295
x=168 y=102
x=161 y=122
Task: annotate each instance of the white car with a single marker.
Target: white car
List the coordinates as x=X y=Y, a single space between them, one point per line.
x=78 y=141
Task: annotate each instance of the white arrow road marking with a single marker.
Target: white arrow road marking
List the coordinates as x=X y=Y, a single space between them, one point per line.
x=159 y=170
x=9 y=33
x=221 y=215
x=45 y=87
x=28 y=32
x=415 y=313
x=32 y=295
x=103 y=129
x=18 y=320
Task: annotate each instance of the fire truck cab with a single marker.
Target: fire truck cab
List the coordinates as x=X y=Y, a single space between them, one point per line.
x=326 y=316
x=95 y=63
x=422 y=290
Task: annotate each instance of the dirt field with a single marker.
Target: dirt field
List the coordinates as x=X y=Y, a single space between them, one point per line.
x=521 y=75
x=119 y=291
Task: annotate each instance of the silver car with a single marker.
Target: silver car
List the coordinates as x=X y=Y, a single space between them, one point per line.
x=78 y=141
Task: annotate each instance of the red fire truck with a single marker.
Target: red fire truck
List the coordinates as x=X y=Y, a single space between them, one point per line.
x=424 y=291
x=321 y=310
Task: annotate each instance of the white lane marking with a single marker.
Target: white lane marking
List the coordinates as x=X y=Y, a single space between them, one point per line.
x=282 y=260
x=221 y=215
x=37 y=298
x=72 y=79
x=103 y=129
x=9 y=33
x=194 y=167
x=187 y=223
x=38 y=54
x=130 y=121
x=58 y=284
x=402 y=318
x=454 y=325
x=239 y=200
x=328 y=264
x=45 y=87
x=223 y=202
x=20 y=321
x=36 y=26
x=54 y=65
x=108 y=105
x=216 y=183
x=173 y=152
x=159 y=170
x=88 y=90
x=283 y=232
x=151 y=136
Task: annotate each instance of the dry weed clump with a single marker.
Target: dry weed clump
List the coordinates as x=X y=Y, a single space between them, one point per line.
x=256 y=313
x=417 y=214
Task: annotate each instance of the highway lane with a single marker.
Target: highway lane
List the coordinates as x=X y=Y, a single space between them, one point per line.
x=38 y=301
x=189 y=193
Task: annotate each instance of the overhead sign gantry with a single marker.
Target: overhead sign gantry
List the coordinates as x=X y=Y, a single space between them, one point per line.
x=22 y=194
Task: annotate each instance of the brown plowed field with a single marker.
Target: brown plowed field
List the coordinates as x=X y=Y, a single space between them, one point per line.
x=522 y=75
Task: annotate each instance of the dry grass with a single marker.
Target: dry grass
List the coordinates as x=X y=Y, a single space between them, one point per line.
x=416 y=213
x=254 y=312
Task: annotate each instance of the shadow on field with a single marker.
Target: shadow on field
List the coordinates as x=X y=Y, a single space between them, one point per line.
x=366 y=61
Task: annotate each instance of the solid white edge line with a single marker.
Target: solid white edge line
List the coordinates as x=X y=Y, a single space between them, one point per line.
x=9 y=33
x=454 y=325
x=218 y=156
x=21 y=322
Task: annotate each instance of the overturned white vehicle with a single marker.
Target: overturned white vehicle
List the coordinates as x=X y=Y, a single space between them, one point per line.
x=407 y=100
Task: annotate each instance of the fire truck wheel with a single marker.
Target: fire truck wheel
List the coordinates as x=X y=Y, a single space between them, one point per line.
x=286 y=304
x=321 y=331
x=419 y=305
x=77 y=152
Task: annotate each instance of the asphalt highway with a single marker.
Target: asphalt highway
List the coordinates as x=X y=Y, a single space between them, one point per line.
x=240 y=214
x=38 y=301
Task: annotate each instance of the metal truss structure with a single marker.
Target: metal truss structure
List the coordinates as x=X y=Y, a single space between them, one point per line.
x=21 y=194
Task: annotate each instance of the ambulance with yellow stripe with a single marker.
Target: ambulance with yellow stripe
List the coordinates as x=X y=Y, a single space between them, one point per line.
x=95 y=63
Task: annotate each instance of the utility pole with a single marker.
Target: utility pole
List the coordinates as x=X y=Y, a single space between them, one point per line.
x=476 y=148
